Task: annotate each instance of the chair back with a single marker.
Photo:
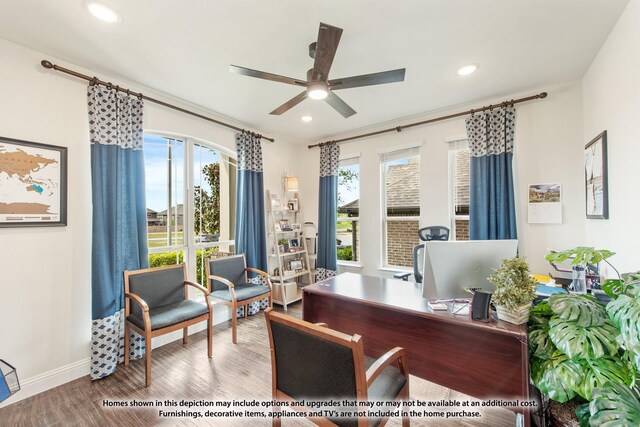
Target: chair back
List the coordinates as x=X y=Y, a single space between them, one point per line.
x=229 y=267
x=313 y=362
x=156 y=286
x=434 y=232
x=418 y=262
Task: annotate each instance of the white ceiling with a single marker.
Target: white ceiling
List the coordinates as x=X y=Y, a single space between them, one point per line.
x=184 y=48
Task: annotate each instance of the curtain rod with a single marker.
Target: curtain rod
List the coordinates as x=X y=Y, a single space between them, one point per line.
x=94 y=80
x=541 y=95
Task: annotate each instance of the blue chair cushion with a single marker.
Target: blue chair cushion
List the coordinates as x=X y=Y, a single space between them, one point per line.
x=243 y=291
x=171 y=314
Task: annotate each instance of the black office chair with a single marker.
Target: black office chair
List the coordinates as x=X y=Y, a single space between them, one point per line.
x=426 y=234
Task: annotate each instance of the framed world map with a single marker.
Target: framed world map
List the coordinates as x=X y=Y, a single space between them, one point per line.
x=33 y=184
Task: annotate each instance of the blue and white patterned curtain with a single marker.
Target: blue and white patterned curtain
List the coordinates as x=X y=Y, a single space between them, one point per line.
x=492 y=213
x=119 y=240
x=327 y=260
x=251 y=237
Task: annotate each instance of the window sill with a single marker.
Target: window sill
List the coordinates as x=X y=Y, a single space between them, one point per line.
x=348 y=264
x=393 y=270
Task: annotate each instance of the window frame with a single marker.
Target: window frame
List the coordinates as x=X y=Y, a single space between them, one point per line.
x=385 y=218
x=452 y=150
x=190 y=247
x=352 y=157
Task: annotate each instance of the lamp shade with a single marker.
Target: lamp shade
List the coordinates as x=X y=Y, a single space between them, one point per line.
x=291 y=183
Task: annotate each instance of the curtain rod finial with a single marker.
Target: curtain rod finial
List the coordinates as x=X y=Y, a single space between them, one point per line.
x=543 y=95
x=46 y=64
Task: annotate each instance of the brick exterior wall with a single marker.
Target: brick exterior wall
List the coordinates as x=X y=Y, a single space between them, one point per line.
x=402 y=236
x=462 y=229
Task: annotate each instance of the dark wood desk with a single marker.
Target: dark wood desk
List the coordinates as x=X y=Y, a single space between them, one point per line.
x=483 y=360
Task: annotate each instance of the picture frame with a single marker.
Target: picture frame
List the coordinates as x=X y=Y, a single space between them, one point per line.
x=276 y=227
x=296 y=227
x=294 y=243
x=295 y=264
x=281 y=248
x=284 y=225
x=292 y=204
x=275 y=202
x=596 y=179
x=35 y=194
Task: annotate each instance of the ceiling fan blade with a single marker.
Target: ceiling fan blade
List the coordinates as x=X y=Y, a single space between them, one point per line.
x=267 y=76
x=328 y=39
x=289 y=104
x=339 y=105
x=383 y=77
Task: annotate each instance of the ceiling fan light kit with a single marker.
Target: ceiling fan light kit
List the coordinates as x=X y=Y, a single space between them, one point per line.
x=318 y=86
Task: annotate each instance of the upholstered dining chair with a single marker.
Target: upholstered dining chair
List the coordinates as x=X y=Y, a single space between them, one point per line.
x=161 y=305
x=314 y=363
x=229 y=285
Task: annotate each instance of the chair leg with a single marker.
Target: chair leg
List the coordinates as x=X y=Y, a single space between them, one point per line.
x=406 y=421
x=185 y=335
x=210 y=335
x=147 y=361
x=246 y=311
x=127 y=337
x=234 y=322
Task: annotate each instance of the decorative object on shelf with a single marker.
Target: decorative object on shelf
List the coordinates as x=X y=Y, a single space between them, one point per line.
x=275 y=202
x=276 y=227
x=595 y=167
x=515 y=290
x=292 y=204
x=285 y=226
x=296 y=227
x=294 y=243
x=9 y=383
x=295 y=265
x=35 y=191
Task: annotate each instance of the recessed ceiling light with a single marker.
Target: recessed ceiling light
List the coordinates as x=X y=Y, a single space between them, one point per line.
x=103 y=13
x=467 y=69
x=306 y=118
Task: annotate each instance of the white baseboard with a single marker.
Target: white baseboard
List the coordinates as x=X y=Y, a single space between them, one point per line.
x=45 y=381
x=73 y=371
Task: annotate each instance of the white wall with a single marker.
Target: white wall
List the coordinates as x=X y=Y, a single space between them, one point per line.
x=548 y=136
x=45 y=286
x=611 y=91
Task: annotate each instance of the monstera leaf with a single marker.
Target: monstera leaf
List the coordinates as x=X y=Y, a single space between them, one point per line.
x=540 y=344
x=580 y=255
x=615 y=405
x=625 y=314
x=584 y=310
x=558 y=377
x=583 y=342
x=541 y=309
x=600 y=371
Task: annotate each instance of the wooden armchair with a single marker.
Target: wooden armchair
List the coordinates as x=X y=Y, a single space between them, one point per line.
x=161 y=305
x=315 y=363
x=230 y=286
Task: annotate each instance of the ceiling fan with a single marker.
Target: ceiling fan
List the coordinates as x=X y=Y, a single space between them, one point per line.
x=318 y=85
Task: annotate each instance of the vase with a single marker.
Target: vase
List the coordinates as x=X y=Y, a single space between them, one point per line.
x=517 y=316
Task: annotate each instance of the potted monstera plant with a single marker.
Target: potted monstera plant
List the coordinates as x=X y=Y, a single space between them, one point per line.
x=515 y=289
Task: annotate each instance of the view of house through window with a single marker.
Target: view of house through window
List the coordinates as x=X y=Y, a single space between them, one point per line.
x=459 y=173
x=401 y=205
x=348 y=230
x=188 y=226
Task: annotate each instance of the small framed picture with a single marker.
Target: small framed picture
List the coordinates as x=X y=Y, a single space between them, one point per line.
x=295 y=264
x=596 y=186
x=292 y=204
x=296 y=227
x=275 y=202
x=280 y=248
x=284 y=225
x=294 y=243
x=277 y=227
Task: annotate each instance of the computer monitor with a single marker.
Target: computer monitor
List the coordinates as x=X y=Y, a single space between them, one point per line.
x=452 y=266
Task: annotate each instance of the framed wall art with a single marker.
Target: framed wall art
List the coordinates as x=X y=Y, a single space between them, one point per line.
x=595 y=168
x=33 y=184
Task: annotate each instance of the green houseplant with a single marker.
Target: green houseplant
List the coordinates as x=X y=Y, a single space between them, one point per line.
x=515 y=289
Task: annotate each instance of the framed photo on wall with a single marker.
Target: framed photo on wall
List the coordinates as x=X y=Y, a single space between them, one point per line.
x=33 y=184
x=595 y=169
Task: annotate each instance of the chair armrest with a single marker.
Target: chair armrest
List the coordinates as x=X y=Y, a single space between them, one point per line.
x=139 y=301
x=263 y=274
x=387 y=359
x=201 y=288
x=322 y=325
x=229 y=283
x=402 y=276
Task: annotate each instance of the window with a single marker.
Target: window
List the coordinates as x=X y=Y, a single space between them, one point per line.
x=401 y=205
x=459 y=173
x=188 y=225
x=348 y=230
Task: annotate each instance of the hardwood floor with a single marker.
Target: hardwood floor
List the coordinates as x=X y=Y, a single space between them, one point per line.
x=236 y=372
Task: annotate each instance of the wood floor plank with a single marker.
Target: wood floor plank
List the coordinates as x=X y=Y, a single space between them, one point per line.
x=235 y=372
